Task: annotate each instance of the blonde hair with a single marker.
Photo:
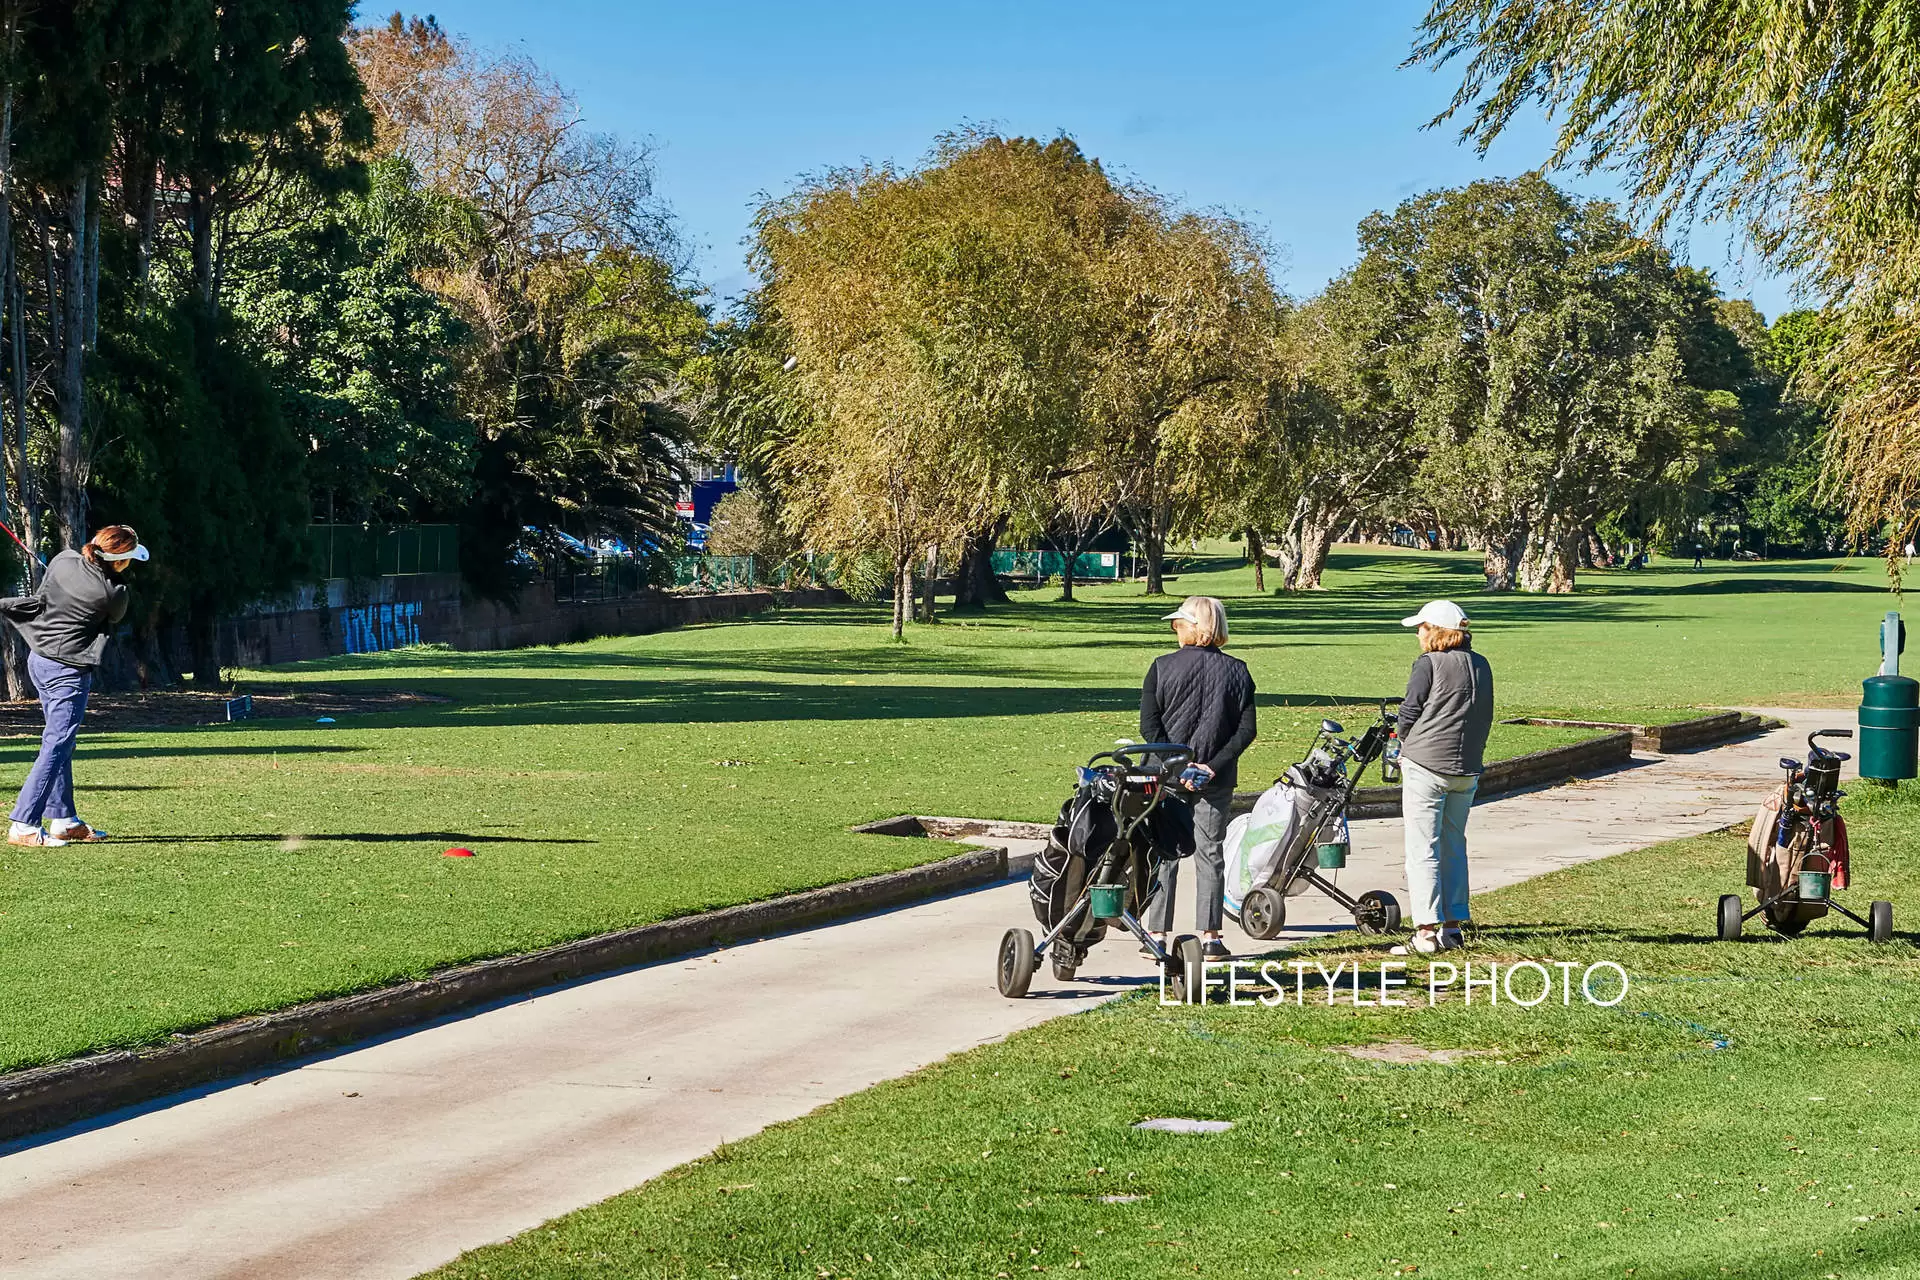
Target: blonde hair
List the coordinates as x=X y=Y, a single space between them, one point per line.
x=1212 y=633
x=1440 y=639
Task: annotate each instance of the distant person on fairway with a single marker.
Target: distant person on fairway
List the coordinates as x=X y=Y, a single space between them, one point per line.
x=1199 y=696
x=1443 y=728
x=66 y=624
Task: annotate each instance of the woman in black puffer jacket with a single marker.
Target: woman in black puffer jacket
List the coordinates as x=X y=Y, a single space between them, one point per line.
x=1199 y=696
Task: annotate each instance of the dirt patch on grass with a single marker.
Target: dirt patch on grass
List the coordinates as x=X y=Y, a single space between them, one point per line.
x=1405 y=1053
x=172 y=707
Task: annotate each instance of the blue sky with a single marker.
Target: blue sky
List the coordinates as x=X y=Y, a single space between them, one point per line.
x=1295 y=116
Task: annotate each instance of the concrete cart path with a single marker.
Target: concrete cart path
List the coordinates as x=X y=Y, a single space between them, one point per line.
x=390 y=1159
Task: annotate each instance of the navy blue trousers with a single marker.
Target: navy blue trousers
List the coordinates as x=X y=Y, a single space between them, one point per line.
x=48 y=792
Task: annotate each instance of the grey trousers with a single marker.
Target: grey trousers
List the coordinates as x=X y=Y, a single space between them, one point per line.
x=1209 y=833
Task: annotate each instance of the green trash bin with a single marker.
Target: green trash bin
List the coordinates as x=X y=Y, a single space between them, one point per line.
x=1889 y=727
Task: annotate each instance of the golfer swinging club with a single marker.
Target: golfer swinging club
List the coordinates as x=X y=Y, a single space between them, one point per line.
x=66 y=625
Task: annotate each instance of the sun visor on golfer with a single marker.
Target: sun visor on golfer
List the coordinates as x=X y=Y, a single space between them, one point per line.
x=139 y=552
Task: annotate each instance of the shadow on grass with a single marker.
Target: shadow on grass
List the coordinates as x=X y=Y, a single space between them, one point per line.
x=96 y=750
x=482 y=703
x=352 y=837
x=1750 y=586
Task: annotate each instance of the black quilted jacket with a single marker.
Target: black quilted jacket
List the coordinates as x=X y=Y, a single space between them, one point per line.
x=1203 y=698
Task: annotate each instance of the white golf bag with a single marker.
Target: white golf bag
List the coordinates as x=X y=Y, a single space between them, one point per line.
x=1271 y=844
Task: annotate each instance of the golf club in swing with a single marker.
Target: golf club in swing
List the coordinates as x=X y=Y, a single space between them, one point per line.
x=23 y=546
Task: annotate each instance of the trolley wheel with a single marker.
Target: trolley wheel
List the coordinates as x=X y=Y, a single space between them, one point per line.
x=1015 y=970
x=1379 y=912
x=1263 y=914
x=1731 y=910
x=1880 y=921
x=1786 y=921
x=1066 y=961
x=1183 y=969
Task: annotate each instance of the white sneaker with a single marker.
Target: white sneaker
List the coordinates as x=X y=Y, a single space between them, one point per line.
x=1423 y=942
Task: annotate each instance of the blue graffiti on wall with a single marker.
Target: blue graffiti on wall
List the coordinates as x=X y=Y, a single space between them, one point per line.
x=375 y=628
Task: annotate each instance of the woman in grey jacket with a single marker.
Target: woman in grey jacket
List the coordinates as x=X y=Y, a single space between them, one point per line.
x=66 y=625
x=1443 y=728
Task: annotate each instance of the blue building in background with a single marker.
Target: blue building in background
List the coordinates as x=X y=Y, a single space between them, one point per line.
x=712 y=481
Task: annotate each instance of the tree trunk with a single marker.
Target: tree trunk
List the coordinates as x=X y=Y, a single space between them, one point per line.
x=1552 y=559
x=1598 y=550
x=1506 y=549
x=1257 y=551
x=974 y=585
x=933 y=572
x=902 y=594
x=1156 y=541
x=200 y=212
x=1066 y=575
x=27 y=489
x=151 y=660
x=73 y=328
x=19 y=683
x=1293 y=545
x=90 y=295
x=203 y=641
x=1316 y=541
x=143 y=196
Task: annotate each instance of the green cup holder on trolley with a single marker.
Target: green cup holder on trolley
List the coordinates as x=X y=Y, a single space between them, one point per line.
x=1816 y=882
x=1330 y=855
x=1109 y=901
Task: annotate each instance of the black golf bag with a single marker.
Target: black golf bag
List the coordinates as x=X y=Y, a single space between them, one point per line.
x=1087 y=831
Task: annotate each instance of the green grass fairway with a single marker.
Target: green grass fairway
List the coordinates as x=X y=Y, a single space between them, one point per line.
x=1749 y=1109
x=628 y=780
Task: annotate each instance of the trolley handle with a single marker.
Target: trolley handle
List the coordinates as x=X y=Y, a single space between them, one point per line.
x=1816 y=749
x=1174 y=756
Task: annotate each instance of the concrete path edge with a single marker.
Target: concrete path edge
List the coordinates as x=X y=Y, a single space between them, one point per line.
x=40 y=1098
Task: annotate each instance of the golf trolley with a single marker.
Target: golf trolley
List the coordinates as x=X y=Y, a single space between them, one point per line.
x=1797 y=852
x=1298 y=830
x=1102 y=865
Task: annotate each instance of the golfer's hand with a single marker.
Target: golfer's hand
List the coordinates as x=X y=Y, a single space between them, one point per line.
x=1196 y=776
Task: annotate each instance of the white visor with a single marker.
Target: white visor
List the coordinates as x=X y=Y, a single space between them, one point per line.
x=139 y=552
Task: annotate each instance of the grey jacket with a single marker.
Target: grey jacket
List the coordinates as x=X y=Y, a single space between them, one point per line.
x=69 y=619
x=1448 y=712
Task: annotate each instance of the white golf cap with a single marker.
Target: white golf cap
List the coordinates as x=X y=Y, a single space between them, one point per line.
x=139 y=552
x=1439 y=613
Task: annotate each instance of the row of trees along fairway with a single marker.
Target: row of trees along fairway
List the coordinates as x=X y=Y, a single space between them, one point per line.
x=1005 y=335
x=1798 y=121
x=258 y=268
x=1007 y=342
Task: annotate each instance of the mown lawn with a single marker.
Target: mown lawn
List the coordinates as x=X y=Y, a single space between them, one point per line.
x=1748 y=1109
x=627 y=780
